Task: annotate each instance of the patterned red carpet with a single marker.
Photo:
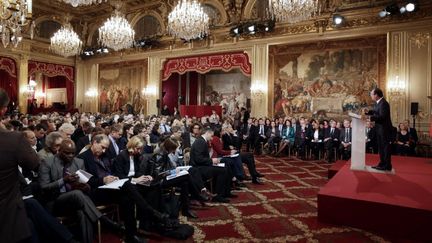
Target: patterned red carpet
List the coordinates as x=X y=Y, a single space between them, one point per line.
x=282 y=210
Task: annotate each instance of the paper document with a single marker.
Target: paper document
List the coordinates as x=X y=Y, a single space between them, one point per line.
x=231 y=156
x=220 y=165
x=115 y=184
x=84 y=176
x=358 y=116
x=180 y=168
x=180 y=173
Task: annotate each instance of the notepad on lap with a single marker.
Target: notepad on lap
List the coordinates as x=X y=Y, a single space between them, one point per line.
x=83 y=175
x=115 y=184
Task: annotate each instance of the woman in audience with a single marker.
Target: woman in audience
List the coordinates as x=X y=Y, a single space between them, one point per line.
x=155 y=134
x=403 y=140
x=288 y=136
x=128 y=132
x=317 y=138
x=273 y=136
x=230 y=158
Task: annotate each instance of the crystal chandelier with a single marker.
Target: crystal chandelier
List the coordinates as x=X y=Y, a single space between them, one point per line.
x=293 y=11
x=65 y=42
x=188 y=20
x=116 y=33
x=76 y=3
x=14 y=15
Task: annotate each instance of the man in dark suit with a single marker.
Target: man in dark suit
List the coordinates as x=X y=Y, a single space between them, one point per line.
x=200 y=158
x=15 y=151
x=61 y=186
x=246 y=134
x=371 y=138
x=331 y=140
x=383 y=125
x=414 y=136
x=345 y=139
x=114 y=136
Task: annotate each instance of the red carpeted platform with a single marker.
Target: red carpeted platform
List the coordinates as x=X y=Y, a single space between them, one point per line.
x=335 y=168
x=395 y=204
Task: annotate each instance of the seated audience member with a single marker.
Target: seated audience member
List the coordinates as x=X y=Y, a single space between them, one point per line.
x=273 y=135
x=165 y=129
x=214 y=118
x=371 y=144
x=302 y=139
x=230 y=137
x=155 y=134
x=288 y=136
x=52 y=145
x=317 y=138
x=414 y=138
x=66 y=130
x=259 y=135
x=64 y=191
x=31 y=137
x=84 y=129
x=233 y=163
x=246 y=134
x=188 y=138
x=165 y=111
x=403 y=140
x=114 y=136
x=127 y=134
x=40 y=132
x=331 y=141
x=200 y=158
x=345 y=139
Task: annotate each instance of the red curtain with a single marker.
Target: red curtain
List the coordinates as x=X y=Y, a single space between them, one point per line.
x=10 y=85
x=63 y=82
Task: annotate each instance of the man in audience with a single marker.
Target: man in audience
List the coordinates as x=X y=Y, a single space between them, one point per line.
x=345 y=138
x=65 y=191
x=188 y=138
x=15 y=151
x=40 y=132
x=114 y=136
x=66 y=130
x=52 y=145
x=259 y=135
x=331 y=141
x=200 y=158
x=164 y=127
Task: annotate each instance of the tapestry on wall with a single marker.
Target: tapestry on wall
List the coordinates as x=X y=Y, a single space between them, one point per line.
x=326 y=79
x=120 y=87
x=229 y=90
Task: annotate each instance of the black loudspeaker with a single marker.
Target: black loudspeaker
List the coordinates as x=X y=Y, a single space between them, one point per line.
x=248 y=103
x=414 y=108
x=158 y=103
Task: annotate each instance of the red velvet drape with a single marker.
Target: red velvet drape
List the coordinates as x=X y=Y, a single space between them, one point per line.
x=63 y=82
x=10 y=85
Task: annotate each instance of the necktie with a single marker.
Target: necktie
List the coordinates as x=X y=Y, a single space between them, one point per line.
x=346 y=134
x=66 y=187
x=331 y=131
x=165 y=128
x=261 y=130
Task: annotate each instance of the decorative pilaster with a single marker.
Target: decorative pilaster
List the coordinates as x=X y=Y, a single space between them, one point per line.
x=22 y=82
x=154 y=85
x=259 y=81
x=87 y=78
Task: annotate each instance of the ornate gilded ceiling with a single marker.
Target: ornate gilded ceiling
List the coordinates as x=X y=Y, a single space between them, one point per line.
x=149 y=17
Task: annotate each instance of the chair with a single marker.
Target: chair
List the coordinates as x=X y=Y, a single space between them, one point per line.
x=109 y=209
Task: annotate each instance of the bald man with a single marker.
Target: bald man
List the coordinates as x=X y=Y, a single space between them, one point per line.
x=58 y=179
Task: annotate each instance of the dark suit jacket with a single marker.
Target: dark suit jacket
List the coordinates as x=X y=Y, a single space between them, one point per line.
x=121 y=165
x=342 y=135
x=92 y=166
x=383 y=124
x=186 y=141
x=82 y=142
x=320 y=134
x=110 y=153
x=199 y=155
x=336 y=134
x=413 y=133
x=14 y=150
x=269 y=132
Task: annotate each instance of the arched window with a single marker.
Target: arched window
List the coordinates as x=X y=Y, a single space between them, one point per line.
x=46 y=29
x=146 y=27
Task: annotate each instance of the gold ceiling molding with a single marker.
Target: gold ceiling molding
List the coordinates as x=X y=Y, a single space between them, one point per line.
x=419 y=39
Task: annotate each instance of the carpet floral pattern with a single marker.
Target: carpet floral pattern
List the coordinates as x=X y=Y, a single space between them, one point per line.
x=284 y=209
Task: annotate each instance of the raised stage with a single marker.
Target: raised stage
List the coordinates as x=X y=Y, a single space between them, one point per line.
x=393 y=204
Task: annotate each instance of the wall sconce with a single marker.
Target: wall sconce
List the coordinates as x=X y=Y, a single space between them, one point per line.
x=149 y=91
x=30 y=89
x=91 y=93
x=396 y=88
x=258 y=90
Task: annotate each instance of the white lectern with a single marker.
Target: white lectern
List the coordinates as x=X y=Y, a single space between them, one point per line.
x=358 y=145
x=358 y=140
